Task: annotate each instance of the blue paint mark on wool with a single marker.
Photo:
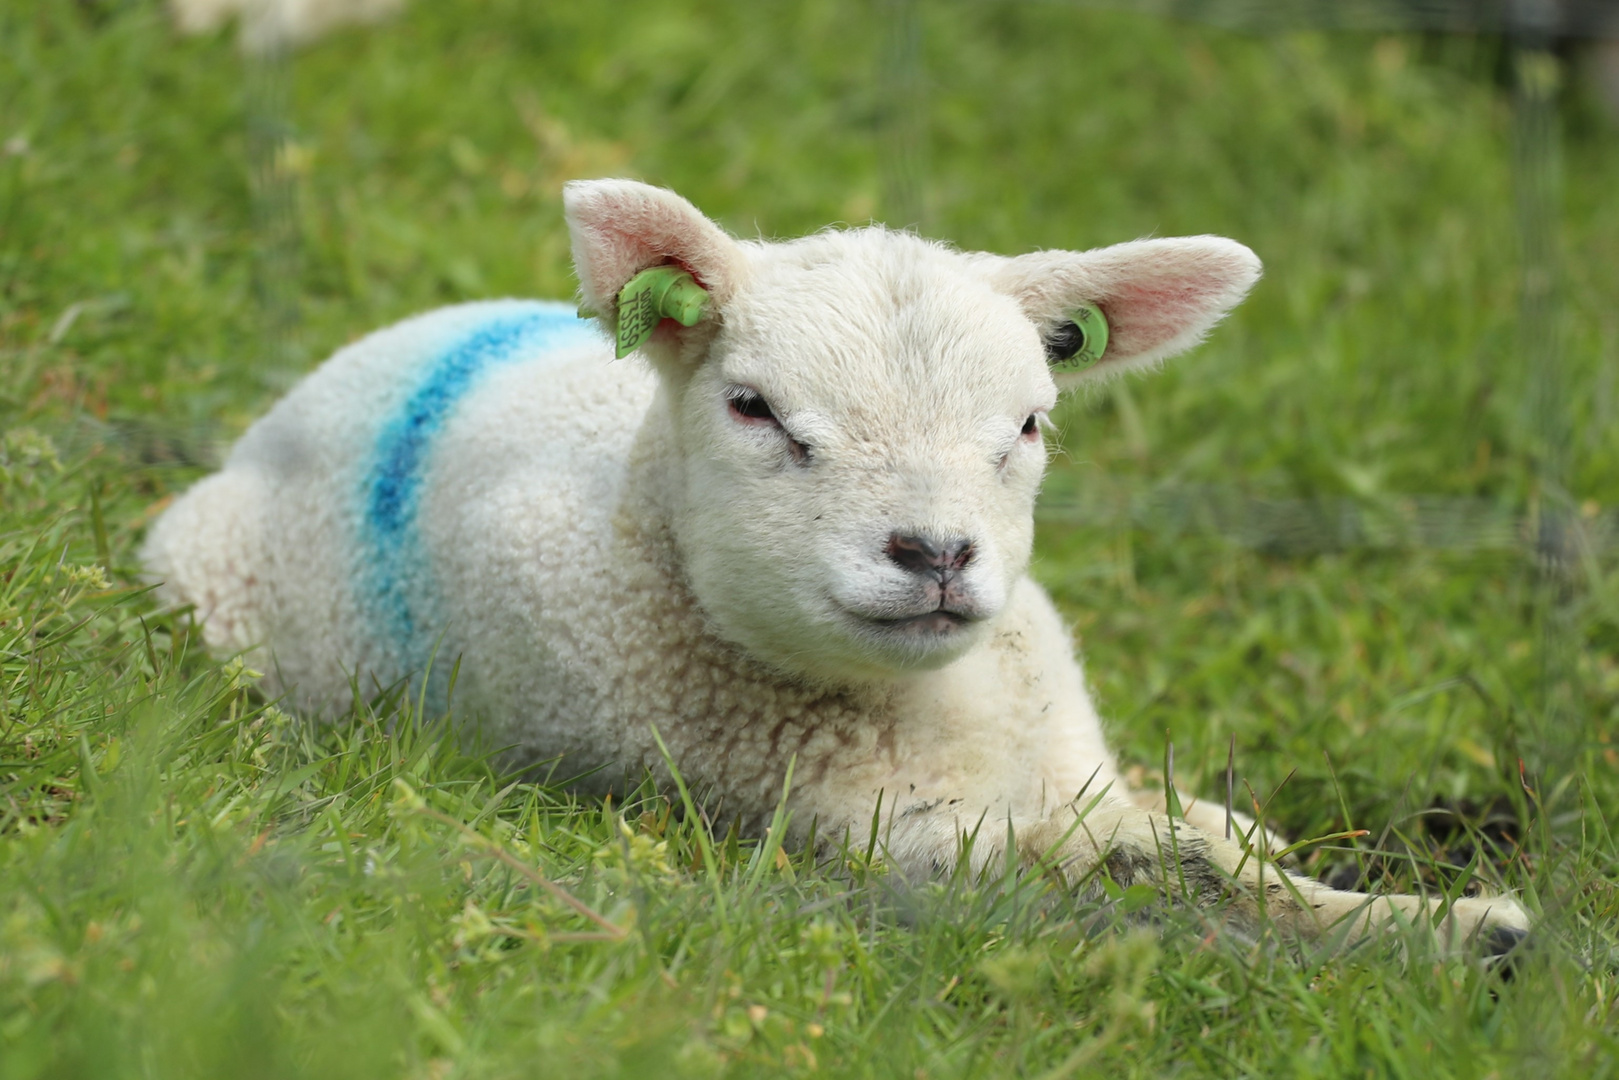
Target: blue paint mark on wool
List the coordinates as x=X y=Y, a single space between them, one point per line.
x=393 y=565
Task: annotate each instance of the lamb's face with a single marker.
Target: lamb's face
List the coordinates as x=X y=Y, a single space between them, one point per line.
x=857 y=415
x=862 y=449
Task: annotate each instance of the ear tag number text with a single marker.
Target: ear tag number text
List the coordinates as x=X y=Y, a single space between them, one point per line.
x=655 y=294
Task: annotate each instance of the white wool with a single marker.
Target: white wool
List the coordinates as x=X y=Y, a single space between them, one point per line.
x=616 y=547
x=272 y=25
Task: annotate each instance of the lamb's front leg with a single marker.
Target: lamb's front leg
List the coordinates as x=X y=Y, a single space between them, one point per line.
x=1134 y=846
x=1206 y=815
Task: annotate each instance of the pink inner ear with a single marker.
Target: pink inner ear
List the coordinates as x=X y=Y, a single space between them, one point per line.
x=1145 y=317
x=621 y=227
x=1162 y=296
x=695 y=272
x=613 y=253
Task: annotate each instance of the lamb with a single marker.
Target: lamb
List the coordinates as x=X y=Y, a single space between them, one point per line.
x=795 y=528
x=273 y=26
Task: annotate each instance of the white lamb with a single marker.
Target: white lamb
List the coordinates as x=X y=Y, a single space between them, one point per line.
x=270 y=26
x=799 y=528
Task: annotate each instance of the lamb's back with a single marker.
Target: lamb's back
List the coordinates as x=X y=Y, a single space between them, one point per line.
x=307 y=543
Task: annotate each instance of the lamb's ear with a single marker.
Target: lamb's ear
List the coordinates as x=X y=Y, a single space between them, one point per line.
x=620 y=228
x=1158 y=297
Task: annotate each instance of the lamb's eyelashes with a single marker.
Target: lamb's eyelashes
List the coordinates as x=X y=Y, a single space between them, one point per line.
x=747 y=406
x=750 y=407
x=1029 y=433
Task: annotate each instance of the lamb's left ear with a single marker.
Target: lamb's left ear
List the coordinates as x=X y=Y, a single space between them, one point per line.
x=1158 y=297
x=620 y=228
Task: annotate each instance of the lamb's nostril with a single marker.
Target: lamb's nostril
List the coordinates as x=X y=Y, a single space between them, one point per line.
x=918 y=553
x=925 y=555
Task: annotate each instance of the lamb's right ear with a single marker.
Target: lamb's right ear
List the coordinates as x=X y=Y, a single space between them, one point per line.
x=1150 y=299
x=621 y=227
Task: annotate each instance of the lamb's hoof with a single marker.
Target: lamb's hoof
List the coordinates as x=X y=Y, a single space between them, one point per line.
x=1503 y=949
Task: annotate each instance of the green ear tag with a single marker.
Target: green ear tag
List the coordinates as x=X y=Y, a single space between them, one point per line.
x=1083 y=346
x=655 y=294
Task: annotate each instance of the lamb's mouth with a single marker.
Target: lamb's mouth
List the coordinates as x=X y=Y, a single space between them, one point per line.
x=936 y=623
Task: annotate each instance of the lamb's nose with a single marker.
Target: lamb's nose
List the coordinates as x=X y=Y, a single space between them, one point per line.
x=925 y=555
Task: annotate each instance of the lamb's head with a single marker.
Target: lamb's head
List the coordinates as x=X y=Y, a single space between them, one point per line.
x=857 y=416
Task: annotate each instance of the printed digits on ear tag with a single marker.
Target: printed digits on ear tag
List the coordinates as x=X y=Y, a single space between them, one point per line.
x=655 y=294
x=637 y=318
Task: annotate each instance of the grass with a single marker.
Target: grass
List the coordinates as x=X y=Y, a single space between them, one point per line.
x=193 y=883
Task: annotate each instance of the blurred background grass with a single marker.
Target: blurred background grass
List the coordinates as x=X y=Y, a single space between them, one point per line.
x=183 y=233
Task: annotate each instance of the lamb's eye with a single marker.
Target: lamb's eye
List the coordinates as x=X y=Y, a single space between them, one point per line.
x=749 y=407
x=1031 y=427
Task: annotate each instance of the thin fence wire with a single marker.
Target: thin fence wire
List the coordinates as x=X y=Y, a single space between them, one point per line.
x=274 y=170
x=1537 y=177
x=1553 y=530
x=1550 y=538
x=1455 y=524
x=903 y=111
x=1544 y=19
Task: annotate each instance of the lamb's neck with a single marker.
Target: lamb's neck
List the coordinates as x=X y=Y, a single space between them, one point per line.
x=655 y=481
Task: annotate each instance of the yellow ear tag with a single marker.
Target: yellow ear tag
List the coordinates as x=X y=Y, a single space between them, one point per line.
x=655 y=294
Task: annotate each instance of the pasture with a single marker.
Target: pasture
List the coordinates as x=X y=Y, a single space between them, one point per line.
x=195 y=883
